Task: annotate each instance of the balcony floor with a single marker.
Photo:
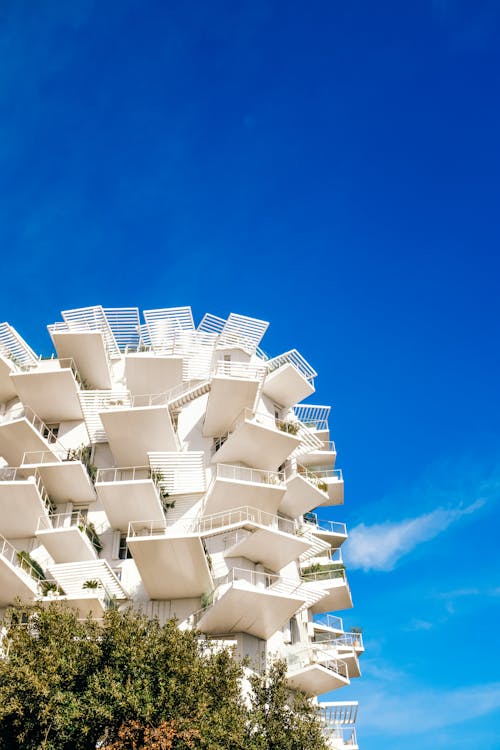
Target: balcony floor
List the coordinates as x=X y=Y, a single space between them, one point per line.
x=135 y=432
x=272 y=548
x=315 y=679
x=65 y=481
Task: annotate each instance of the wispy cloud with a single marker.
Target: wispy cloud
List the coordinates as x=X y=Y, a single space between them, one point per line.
x=382 y=545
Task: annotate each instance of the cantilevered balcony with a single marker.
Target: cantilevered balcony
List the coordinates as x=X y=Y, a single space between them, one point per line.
x=18 y=577
x=23 y=500
x=320 y=457
x=66 y=476
x=129 y=494
x=333 y=532
x=233 y=387
x=172 y=565
x=234 y=486
x=68 y=537
x=248 y=601
x=51 y=389
x=347 y=647
x=7 y=390
x=90 y=587
x=149 y=372
x=333 y=583
x=338 y=720
x=255 y=535
x=259 y=440
x=304 y=491
x=22 y=430
x=136 y=429
x=290 y=379
x=327 y=627
x=314 y=672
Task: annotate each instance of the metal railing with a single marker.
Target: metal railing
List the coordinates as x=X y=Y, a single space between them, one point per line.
x=70 y=520
x=326 y=558
x=335 y=713
x=334 y=527
x=297 y=660
x=314 y=479
x=15 y=558
x=244 y=514
x=325 y=575
x=241 y=370
x=124 y=474
x=148 y=528
x=346 y=640
x=244 y=474
x=329 y=621
x=293 y=357
x=315 y=417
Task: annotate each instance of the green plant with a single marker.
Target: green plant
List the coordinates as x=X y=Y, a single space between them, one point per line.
x=50 y=587
x=84 y=454
x=322 y=486
x=291 y=428
x=33 y=568
x=356 y=629
x=207 y=599
x=92 y=583
x=90 y=531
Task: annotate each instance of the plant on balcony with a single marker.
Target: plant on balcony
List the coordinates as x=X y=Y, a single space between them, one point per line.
x=207 y=600
x=50 y=588
x=291 y=428
x=89 y=529
x=84 y=454
x=357 y=630
x=322 y=486
x=92 y=583
x=28 y=563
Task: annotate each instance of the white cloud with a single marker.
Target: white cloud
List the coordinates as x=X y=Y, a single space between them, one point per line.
x=381 y=546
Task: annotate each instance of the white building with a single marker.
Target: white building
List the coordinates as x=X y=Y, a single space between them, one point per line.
x=173 y=467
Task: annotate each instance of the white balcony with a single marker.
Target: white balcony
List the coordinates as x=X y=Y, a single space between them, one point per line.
x=7 y=390
x=338 y=719
x=233 y=387
x=315 y=672
x=332 y=532
x=65 y=477
x=235 y=486
x=247 y=601
x=172 y=565
x=315 y=418
x=341 y=738
x=333 y=583
x=23 y=500
x=290 y=379
x=255 y=535
x=147 y=372
x=321 y=457
x=68 y=537
x=51 y=390
x=89 y=587
x=18 y=579
x=88 y=349
x=129 y=494
x=259 y=440
x=327 y=627
x=22 y=430
x=135 y=430
x=304 y=491
x=347 y=647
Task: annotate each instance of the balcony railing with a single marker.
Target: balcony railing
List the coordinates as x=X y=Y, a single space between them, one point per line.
x=244 y=474
x=125 y=474
x=346 y=640
x=244 y=514
x=293 y=357
x=297 y=660
x=334 y=527
x=314 y=417
x=240 y=370
x=19 y=559
x=324 y=575
x=329 y=621
x=152 y=528
x=16 y=474
x=20 y=411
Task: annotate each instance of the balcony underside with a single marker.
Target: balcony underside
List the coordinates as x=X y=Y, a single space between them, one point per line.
x=7 y=390
x=147 y=373
x=286 y=386
x=227 y=398
x=338 y=595
x=268 y=546
x=352 y=661
x=335 y=491
x=20 y=508
x=326 y=459
x=257 y=446
x=246 y=609
x=315 y=679
x=226 y=494
x=326 y=632
x=19 y=436
x=88 y=351
x=85 y=604
x=334 y=539
x=67 y=544
x=171 y=567
x=301 y=496
x=65 y=481
x=15 y=583
x=130 y=501
x=53 y=394
x=134 y=432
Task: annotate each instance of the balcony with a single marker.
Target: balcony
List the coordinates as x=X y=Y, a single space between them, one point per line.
x=148 y=372
x=314 y=672
x=22 y=430
x=89 y=587
x=321 y=457
x=290 y=379
x=68 y=537
x=7 y=390
x=18 y=578
x=327 y=627
x=332 y=532
x=315 y=418
x=304 y=491
x=86 y=345
x=333 y=583
x=255 y=535
x=233 y=387
x=338 y=721
x=148 y=420
x=259 y=440
x=66 y=476
x=51 y=389
x=248 y=601
x=23 y=499
x=171 y=565
x=129 y=494
x=341 y=738
x=347 y=647
x=234 y=486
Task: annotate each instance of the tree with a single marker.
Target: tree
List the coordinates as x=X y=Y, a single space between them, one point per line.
x=129 y=683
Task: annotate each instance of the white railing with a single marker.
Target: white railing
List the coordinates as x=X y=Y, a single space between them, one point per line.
x=20 y=411
x=16 y=474
x=347 y=640
x=324 y=575
x=50 y=457
x=328 y=557
x=298 y=660
x=337 y=713
x=293 y=357
x=125 y=474
x=329 y=621
x=346 y=735
x=241 y=370
x=15 y=558
x=315 y=417
x=147 y=528
x=334 y=527
x=321 y=475
x=264 y=420
x=292 y=469
x=244 y=514
x=66 y=520
x=15 y=348
x=244 y=474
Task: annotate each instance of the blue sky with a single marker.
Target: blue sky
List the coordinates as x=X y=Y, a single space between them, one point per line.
x=332 y=168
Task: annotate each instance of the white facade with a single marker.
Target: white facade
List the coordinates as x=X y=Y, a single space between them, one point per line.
x=154 y=463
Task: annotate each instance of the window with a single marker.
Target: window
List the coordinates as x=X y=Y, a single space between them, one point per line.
x=123 y=551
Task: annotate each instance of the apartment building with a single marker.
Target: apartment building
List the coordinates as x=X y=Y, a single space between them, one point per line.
x=172 y=467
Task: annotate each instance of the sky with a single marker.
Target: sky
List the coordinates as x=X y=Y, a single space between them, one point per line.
x=332 y=168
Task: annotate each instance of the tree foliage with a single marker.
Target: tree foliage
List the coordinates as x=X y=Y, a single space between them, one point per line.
x=128 y=683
